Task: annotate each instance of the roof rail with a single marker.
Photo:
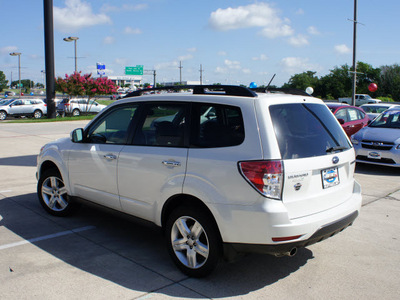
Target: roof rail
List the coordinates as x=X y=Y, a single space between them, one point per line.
x=228 y=90
x=281 y=91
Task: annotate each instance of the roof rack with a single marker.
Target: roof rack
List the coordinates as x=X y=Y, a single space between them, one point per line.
x=228 y=90
x=281 y=91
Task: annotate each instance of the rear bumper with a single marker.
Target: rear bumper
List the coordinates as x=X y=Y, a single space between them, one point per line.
x=321 y=234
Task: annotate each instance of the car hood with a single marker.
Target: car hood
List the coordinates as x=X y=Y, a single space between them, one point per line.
x=379 y=134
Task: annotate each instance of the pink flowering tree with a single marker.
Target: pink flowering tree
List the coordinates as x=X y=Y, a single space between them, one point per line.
x=84 y=85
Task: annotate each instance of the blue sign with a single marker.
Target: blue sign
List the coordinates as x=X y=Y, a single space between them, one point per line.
x=101 y=69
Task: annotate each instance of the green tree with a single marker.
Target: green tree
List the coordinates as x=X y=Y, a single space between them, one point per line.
x=390 y=82
x=3 y=81
x=302 y=81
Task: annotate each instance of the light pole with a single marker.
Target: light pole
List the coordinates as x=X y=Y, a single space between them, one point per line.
x=19 y=68
x=74 y=39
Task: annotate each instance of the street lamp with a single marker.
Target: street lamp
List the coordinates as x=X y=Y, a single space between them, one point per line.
x=19 y=69
x=74 y=39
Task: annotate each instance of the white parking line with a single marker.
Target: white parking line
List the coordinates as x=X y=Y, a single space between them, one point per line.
x=46 y=237
x=5 y=191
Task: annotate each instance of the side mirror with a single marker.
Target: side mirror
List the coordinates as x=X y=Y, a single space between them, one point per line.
x=341 y=121
x=77 y=135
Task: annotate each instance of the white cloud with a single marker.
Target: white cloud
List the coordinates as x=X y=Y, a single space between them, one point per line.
x=167 y=65
x=300 y=11
x=185 y=57
x=253 y=15
x=194 y=49
x=75 y=15
x=222 y=53
x=298 y=41
x=313 y=30
x=108 y=40
x=298 y=65
x=277 y=30
x=8 y=49
x=246 y=71
x=130 y=30
x=262 y=57
x=342 y=49
x=231 y=64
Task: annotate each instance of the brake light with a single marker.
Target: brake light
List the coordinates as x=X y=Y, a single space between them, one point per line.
x=66 y=104
x=265 y=176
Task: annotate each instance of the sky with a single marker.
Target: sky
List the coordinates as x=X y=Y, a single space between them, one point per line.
x=233 y=42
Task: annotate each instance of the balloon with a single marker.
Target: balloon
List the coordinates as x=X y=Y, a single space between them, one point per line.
x=309 y=90
x=31 y=93
x=253 y=85
x=372 y=87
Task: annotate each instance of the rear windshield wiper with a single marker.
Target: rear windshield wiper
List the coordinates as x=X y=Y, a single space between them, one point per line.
x=335 y=149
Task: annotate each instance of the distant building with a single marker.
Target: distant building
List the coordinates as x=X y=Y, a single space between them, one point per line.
x=122 y=80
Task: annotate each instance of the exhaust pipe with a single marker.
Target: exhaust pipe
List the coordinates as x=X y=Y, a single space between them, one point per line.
x=290 y=253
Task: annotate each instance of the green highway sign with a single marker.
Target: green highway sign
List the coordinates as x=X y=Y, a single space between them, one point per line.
x=137 y=70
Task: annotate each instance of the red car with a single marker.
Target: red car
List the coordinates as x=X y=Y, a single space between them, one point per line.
x=351 y=118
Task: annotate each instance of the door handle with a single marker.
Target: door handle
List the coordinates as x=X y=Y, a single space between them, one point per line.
x=171 y=163
x=110 y=156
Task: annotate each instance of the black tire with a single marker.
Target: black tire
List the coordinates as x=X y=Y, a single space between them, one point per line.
x=3 y=115
x=53 y=194
x=76 y=112
x=37 y=114
x=193 y=241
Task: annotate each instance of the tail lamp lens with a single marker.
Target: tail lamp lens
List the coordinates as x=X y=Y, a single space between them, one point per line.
x=265 y=176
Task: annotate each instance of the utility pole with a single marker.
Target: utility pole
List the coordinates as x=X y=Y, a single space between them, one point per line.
x=353 y=97
x=201 y=74
x=180 y=72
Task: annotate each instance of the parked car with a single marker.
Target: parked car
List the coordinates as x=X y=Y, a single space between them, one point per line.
x=77 y=106
x=360 y=99
x=222 y=170
x=375 y=109
x=350 y=117
x=379 y=142
x=118 y=96
x=23 y=107
x=9 y=93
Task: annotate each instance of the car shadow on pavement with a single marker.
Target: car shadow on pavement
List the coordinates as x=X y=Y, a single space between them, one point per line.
x=377 y=170
x=127 y=253
x=20 y=161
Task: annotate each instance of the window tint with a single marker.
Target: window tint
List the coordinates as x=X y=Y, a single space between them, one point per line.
x=306 y=130
x=113 y=128
x=216 y=125
x=163 y=125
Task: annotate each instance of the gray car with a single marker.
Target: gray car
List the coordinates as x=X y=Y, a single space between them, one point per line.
x=379 y=142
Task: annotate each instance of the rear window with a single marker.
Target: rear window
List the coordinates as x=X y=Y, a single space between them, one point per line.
x=307 y=130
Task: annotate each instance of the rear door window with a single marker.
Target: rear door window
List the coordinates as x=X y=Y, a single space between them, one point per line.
x=307 y=130
x=215 y=125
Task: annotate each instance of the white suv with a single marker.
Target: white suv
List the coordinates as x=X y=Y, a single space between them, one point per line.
x=222 y=170
x=77 y=106
x=23 y=107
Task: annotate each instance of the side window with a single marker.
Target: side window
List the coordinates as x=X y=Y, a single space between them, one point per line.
x=342 y=114
x=354 y=114
x=113 y=128
x=163 y=125
x=215 y=125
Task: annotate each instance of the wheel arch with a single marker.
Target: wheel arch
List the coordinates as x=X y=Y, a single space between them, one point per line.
x=185 y=200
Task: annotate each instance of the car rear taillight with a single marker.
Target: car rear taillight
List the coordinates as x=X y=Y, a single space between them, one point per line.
x=265 y=176
x=66 y=104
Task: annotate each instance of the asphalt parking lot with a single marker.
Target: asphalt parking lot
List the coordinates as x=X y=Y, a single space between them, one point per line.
x=96 y=255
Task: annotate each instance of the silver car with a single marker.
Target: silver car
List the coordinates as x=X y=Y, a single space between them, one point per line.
x=379 y=143
x=23 y=107
x=374 y=109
